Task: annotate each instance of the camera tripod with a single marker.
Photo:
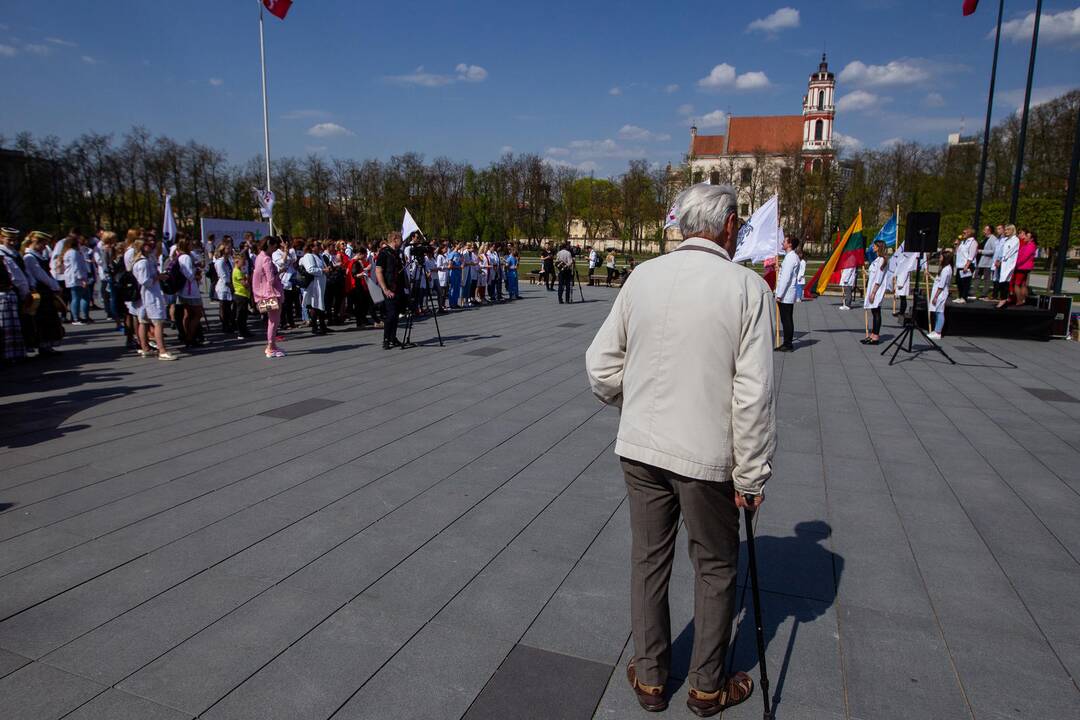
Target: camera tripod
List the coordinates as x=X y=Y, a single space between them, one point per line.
x=907 y=335
x=416 y=274
x=578 y=281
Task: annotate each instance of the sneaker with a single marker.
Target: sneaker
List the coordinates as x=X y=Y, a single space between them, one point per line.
x=933 y=335
x=153 y=345
x=77 y=322
x=959 y=301
x=166 y=356
x=843 y=307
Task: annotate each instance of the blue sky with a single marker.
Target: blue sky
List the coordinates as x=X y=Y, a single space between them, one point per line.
x=586 y=83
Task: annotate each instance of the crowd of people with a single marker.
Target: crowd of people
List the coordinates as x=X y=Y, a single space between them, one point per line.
x=145 y=285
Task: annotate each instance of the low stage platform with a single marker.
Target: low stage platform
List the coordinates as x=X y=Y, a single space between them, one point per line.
x=983 y=319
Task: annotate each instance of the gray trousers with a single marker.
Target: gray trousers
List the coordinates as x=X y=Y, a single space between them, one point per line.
x=712 y=526
x=849 y=295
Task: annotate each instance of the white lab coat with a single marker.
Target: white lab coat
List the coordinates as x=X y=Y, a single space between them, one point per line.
x=966 y=252
x=223 y=288
x=785 y=282
x=878 y=277
x=940 y=291
x=847 y=277
x=1008 y=258
x=314 y=295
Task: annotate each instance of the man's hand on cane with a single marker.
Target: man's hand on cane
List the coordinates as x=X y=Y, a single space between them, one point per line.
x=752 y=502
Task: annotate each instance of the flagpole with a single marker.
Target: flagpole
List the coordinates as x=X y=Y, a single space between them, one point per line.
x=1024 y=118
x=777 y=266
x=266 y=110
x=986 y=128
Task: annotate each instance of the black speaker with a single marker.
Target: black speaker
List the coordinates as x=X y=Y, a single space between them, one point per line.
x=921 y=234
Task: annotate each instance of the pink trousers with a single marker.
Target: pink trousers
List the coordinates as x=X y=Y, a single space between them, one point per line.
x=273 y=319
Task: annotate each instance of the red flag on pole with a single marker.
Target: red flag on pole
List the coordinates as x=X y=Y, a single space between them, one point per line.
x=969 y=6
x=278 y=8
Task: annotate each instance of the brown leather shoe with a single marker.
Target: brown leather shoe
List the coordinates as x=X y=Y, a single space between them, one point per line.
x=737 y=688
x=649 y=697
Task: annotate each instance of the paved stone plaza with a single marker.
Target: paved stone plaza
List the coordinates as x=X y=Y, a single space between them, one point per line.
x=443 y=533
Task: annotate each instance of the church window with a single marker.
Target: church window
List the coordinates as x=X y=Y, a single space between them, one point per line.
x=714 y=177
x=819 y=130
x=746 y=175
x=821 y=100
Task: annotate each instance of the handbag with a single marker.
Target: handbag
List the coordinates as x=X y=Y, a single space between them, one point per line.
x=267 y=305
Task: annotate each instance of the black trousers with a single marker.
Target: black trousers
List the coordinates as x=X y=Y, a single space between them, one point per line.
x=963 y=286
x=903 y=304
x=226 y=315
x=549 y=278
x=391 y=321
x=292 y=311
x=787 y=321
x=875 y=322
x=240 y=320
x=566 y=285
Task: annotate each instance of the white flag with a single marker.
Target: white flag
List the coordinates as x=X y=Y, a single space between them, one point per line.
x=265 y=198
x=168 y=224
x=903 y=263
x=408 y=226
x=672 y=219
x=760 y=238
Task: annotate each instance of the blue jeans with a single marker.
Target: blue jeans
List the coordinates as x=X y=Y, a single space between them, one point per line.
x=80 y=302
x=939 y=321
x=512 y=284
x=455 y=287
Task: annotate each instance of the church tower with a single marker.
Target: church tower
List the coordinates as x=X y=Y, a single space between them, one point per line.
x=819 y=111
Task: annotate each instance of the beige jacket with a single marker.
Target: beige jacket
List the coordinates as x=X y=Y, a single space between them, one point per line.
x=686 y=352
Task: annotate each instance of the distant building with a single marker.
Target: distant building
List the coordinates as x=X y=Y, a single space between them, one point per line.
x=756 y=152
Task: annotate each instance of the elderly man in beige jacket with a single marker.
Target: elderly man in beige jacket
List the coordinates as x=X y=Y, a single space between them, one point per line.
x=687 y=354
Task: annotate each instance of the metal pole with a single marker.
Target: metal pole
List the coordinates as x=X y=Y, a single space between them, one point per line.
x=1066 y=221
x=986 y=129
x=1024 y=118
x=266 y=110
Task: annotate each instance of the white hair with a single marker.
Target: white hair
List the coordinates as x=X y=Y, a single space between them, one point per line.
x=704 y=209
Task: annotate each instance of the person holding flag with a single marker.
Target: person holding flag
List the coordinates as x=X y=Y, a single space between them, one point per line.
x=876 y=283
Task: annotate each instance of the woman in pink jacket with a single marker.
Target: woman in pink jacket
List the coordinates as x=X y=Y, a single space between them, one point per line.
x=268 y=291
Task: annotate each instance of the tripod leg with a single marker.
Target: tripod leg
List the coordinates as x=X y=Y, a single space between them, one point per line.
x=759 y=626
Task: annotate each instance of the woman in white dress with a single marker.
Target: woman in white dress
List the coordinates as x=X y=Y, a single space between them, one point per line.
x=151 y=309
x=223 y=290
x=484 y=274
x=939 y=294
x=876 y=282
x=314 y=295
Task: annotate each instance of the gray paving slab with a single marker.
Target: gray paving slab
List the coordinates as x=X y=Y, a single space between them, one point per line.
x=10 y=662
x=40 y=692
x=529 y=678
x=300 y=409
x=114 y=704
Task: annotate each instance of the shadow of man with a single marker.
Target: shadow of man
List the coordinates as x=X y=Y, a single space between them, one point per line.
x=798 y=577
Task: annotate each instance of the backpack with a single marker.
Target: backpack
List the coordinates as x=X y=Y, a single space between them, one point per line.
x=126 y=287
x=303 y=277
x=173 y=279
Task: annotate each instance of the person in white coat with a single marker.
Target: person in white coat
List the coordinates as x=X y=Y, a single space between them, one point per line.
x=939 y=295
x=1010 y=250
x=800 y=276
x=223 y=288
x=786 y=294
x=967 y=253
x=314 y=295
x=876 y=282
x=985 y=264
x=847 y=281
x=151 y=308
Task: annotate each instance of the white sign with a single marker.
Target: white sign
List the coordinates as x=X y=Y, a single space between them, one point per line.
x=236 y=228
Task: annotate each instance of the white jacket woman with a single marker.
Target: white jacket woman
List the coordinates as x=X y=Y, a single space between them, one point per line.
x=314 y=295
x=223 y=266
x=875 y=284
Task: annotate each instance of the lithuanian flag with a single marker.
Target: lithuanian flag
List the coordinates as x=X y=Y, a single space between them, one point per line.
x=850 y=251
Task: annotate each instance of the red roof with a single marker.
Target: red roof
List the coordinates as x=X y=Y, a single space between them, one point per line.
x=770 y=134
x=707 y=145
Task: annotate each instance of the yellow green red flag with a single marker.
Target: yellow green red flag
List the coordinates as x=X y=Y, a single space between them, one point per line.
x=850 y=251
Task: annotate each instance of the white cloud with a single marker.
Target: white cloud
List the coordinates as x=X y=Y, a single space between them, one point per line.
x=7 y=51
x=858 y=100
x=1039 y=95
x=608 y=148
x=1053 y=27
x=306 y=115
x=933 y=100
x=89 y=59
x=847 y=142
x=329 y=129
x=783 y=19
x=751 y=81
x=633 y=132
x=471 y=73
x=721 y=75
x=686 y=109
x=891 y=142
x=422 y=78
x=217 y=82
x=61 y=41
x=672 y=88
x=557 y=152
x=37 y=49
x=615 y=91
x=588 y=166
x=724 y=75
x=895 y=72
x=717 y=118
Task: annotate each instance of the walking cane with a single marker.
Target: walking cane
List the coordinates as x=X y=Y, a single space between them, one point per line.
x=748 y=516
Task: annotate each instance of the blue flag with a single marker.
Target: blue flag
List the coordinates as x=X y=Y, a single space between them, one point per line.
x=887 y=234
